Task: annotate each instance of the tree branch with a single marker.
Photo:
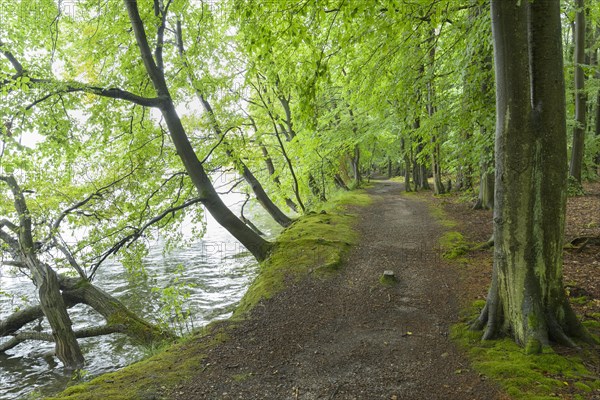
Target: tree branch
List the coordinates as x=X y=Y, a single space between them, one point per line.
x=6 y=223
x=11 y=58
x=113 y=93
x=25 y=235
x=137 y=232
x=47 y=337
x=154 y=72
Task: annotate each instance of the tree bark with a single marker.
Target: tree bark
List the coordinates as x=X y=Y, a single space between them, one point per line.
x=407 y=165
x=485 y=199
x=66 y=347
x=76 y=291
x=526 y=298
x=597 y=126
x=577 y=149
x=258 y=246
x=356 y=165
x=79 y=291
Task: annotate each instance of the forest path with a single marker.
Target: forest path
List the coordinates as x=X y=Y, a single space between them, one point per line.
x=351 y=337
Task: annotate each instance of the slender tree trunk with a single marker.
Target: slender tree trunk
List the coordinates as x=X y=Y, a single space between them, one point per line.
x=438 y=186
x=271 y=170
x=597 y=122
x=258 y=246
x=262 y=196
x=527 y=299
x=577 y=150
x=407 y=165
x=259 y=192
x=485 y=199
x=339 y=182
x=356 y=165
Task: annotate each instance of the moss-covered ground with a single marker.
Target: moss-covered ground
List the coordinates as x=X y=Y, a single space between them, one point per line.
x=315 y=243
x=548 y=375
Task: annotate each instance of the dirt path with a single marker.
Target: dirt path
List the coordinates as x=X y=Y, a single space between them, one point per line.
x=350 y=337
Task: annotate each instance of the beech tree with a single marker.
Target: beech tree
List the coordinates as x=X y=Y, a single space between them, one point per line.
x=579 y=59
x=527 y=299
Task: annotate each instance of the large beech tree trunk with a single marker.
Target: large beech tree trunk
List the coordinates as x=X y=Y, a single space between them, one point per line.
x=526 y=298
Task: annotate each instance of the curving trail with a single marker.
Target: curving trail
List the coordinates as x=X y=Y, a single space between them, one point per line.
x=350 y=337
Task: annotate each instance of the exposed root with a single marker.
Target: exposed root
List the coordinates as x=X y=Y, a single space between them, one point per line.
x=557 y=333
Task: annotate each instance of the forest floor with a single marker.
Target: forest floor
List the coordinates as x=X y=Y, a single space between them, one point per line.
x=350 y=336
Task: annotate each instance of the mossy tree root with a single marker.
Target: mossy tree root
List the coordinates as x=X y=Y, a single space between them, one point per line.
x=542 y=324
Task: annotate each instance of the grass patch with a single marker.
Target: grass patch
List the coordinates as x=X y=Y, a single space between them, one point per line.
x=524 y=376
x=316 y=242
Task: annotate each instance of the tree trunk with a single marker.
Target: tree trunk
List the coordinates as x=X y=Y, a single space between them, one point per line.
x=407 y=166
x=597 y=127
x=577 y=150
x=356 y=165
x=258 y=246
x=66 y=347
x=485 y=200
x=76 y=291
x=262 y=196
x=526 y=298
x=271 y=170
x=438 y=186
x=339 y=182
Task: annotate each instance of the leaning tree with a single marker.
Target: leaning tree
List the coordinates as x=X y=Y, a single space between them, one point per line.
x=33 y=241
x=526 y=298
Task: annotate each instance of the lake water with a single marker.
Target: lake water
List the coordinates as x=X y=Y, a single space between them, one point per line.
x=217 y=271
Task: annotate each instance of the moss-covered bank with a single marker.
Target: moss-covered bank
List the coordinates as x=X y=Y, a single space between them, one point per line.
x=314 y=244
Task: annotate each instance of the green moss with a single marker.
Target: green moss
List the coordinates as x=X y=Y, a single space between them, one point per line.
x=443 y=218
x=582 y=386
x=541 y=375
x=387 y=280
x=154 y=377
x=582 y=300
x=316 y=242
x=533 y=346
x=454 y=245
